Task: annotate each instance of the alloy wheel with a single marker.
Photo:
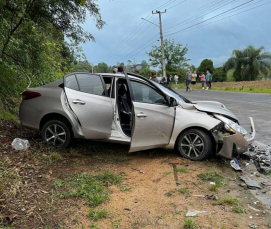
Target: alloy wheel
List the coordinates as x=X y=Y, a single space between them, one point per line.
x=55 y=135
x=192 y=145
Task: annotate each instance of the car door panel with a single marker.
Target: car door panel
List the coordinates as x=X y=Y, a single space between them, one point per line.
x=152 y=126
x=95 y=112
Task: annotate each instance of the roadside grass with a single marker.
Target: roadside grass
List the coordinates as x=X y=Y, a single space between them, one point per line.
x=212 y=177
x=7 y=116
x=232 y=86
x=93 y=189
x=181 y=170
x=184 y=191
x=95 y=214
x=238 y=210
x=189 y=223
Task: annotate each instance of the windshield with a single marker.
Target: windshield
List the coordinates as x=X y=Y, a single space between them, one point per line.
x=172 y=93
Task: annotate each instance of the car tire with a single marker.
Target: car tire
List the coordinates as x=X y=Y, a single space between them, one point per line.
x=194 y=144
x=56 y=133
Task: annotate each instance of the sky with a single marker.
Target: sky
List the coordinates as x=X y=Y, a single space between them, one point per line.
x=211 y=29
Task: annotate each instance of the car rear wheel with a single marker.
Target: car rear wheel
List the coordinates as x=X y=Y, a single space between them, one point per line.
x=56 y=133
x=194 y=144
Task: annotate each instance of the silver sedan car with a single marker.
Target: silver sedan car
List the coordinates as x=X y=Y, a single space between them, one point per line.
x=128 y=108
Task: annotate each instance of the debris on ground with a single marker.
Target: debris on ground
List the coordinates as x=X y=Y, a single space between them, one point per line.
x=20 y=144
x=261 y=158
x=194 y=213
x=250 y=184
x=235 y=165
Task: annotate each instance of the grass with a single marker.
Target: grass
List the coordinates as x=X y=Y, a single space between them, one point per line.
x=238 y=210
x=93 y=189
x=214 y=177
x=189 y=224
x=7 y=116
x=181 y=170
x=95 y=215
x=184 y=191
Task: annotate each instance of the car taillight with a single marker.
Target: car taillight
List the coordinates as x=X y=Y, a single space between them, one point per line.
x=26 y=95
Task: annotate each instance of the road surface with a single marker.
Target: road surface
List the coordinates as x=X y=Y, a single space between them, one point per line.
x=243 y=105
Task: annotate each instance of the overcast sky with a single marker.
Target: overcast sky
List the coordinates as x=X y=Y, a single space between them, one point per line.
x=195 y=23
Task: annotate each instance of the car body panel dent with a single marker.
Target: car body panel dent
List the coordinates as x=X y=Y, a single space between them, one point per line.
x=215 y=109
x=190 y=119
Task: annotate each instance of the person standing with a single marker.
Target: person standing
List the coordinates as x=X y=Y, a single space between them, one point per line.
x=120 y=69
x=193 y=81
x=153 y=76
x=188 y=78
x=208 y=78
x=176 y=77
x=202 y=79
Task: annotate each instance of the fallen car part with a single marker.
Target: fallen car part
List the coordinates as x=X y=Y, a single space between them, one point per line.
x=250 y=184
x=235 y=165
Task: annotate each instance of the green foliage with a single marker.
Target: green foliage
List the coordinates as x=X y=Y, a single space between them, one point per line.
x=33 y=51
x=97 y=214
x=102 y=68
x=205 y=65
x=91 y=188
x=214 y=177
x=249 y=63
x=146 y=72
x=219 y=75
x=189 y=224
x=82 y=66
x=174 y=56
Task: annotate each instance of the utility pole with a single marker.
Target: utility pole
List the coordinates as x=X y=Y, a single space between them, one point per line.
x=162 y=41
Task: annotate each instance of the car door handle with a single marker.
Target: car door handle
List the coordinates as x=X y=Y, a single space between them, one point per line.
x=141 y=115
x=78 y=101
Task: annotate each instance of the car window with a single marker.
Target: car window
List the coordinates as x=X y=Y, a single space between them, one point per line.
x=146 y=94
x=71 y=82
x=109 y=85
x=91 y=84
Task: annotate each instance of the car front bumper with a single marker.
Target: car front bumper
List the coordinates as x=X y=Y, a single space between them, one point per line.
x=237 y=140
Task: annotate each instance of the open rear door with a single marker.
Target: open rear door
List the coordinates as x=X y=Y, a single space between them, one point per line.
x=88 y=98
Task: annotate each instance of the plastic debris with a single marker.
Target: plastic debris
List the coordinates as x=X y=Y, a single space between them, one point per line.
x=253 y=226
x=213 y=197
x=212 y=183
x=235 y=164
x=250 y=184
x=254 y=209
x=194 y=213
x=20 y=144
x=261 y=157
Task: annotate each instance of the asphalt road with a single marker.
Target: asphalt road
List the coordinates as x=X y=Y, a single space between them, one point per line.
x=243 y=105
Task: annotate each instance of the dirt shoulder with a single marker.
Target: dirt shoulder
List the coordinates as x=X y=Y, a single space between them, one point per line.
x=97 y=185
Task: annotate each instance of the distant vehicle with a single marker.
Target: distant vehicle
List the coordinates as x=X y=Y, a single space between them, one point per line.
x=128 y=108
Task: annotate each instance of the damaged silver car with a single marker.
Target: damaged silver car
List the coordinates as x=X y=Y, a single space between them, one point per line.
x=128 y=108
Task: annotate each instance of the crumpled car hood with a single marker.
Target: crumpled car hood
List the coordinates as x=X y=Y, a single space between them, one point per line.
x=215 y=109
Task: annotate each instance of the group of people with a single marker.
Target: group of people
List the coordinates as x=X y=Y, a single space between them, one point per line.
x=191 y=79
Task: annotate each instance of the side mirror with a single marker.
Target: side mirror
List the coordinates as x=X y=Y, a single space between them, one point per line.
x=173 y=102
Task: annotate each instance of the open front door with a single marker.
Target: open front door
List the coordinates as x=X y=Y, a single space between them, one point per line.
x=153 y=119
x=88 y=98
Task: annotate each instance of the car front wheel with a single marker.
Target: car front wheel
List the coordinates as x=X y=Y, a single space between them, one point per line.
x=194 y=144
x=56 y=133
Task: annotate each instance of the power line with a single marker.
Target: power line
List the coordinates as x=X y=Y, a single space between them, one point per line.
x=193 y=19
x=211 y=17
x=176 y=4
x=227 y=17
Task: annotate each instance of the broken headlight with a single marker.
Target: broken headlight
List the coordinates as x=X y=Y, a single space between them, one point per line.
x=230 y=125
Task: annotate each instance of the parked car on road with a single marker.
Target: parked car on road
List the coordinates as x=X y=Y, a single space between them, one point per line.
x=128 y=108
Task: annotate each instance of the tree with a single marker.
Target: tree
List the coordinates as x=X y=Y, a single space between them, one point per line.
x=83 y=66
x=219 y=75
x=205 y=65
x=249 y=63
x=174 y=56
x=32 y=45
x=102 y=67
x=144 y=64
